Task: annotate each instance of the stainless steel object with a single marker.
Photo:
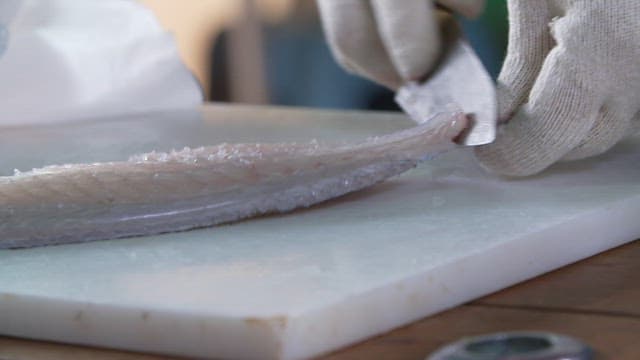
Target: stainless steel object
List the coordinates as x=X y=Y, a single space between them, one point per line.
x=515 y=346
x=460 y=81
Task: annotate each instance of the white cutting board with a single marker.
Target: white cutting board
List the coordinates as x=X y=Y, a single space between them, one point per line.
x=298 y=285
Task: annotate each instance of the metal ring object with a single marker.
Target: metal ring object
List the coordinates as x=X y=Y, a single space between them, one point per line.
x=515 y=346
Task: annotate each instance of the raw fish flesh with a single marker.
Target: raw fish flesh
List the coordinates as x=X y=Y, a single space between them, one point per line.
x=164 y=192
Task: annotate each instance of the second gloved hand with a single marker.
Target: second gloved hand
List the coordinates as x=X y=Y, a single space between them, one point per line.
x=570 y=85
x=388 y=41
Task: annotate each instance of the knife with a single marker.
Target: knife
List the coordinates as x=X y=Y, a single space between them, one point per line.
x=459 y=82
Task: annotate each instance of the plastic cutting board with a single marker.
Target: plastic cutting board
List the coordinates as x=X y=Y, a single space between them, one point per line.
x=298 y=285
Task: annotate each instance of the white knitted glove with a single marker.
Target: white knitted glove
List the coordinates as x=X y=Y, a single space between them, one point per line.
x=570 y=85
x=388 y=41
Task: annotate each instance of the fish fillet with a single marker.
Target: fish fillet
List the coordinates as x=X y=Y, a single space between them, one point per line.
x=164 y=192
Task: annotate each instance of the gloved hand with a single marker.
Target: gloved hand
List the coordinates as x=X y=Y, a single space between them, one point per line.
x=388 y=41
x=570 y=85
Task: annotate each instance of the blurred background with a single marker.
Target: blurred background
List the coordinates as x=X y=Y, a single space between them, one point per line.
x=273 y=52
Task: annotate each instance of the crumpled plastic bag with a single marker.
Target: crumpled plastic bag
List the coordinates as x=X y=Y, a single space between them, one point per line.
x=66 y=60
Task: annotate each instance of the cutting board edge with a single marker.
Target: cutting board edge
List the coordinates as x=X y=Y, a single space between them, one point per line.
x=318 y=331
x=528 y=250
x=128 y=328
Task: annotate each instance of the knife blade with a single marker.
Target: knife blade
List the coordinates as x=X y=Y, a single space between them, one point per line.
x=460 y=81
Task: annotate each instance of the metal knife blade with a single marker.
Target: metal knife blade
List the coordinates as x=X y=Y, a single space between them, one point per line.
x=459 y=82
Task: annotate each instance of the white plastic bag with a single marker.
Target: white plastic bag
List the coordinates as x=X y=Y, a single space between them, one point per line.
x=70 y=60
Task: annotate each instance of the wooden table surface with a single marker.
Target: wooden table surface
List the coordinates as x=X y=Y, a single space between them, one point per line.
x=596 y=300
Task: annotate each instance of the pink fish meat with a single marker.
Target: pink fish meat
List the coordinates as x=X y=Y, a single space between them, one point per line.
x=164 y=192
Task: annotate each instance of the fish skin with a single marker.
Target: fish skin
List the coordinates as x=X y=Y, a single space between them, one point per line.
x=164 y=192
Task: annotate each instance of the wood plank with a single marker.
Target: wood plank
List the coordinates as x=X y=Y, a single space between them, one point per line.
x=612 y=337
x=21 y=349
x=608 y=283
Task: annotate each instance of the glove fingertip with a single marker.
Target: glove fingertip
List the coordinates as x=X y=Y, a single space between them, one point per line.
x=520 y=148
x=352 y=36
x=409 y=34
